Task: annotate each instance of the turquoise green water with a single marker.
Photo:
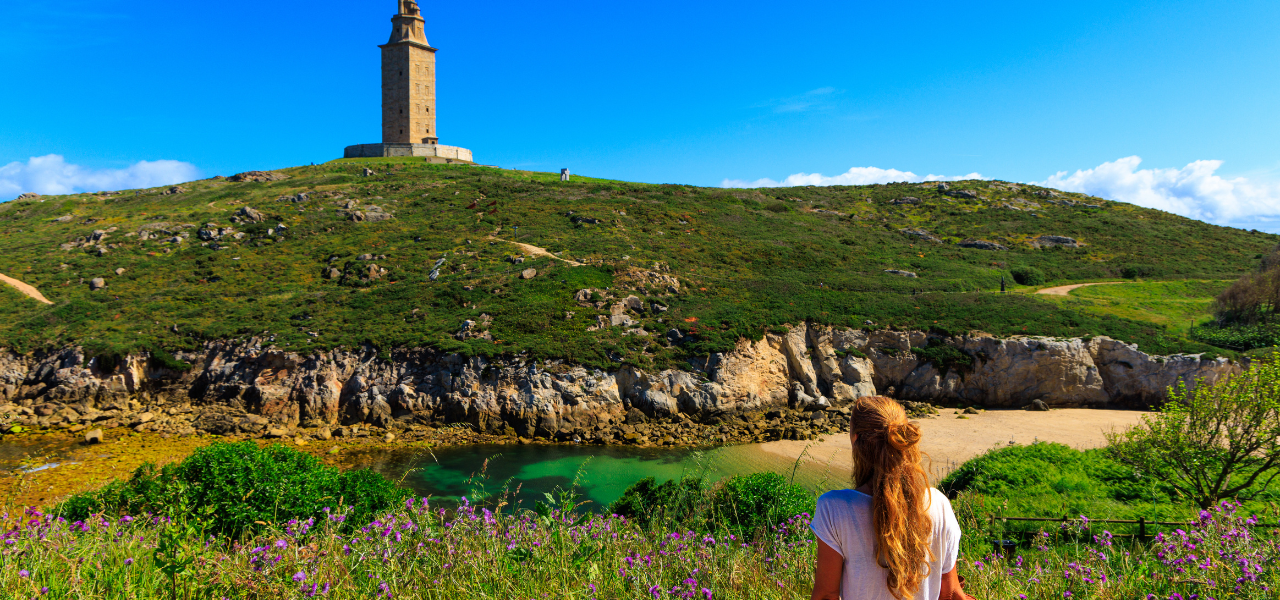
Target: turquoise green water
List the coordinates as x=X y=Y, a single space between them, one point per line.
x=600 y=474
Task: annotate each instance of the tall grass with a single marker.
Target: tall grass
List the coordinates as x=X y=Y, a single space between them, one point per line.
x=422 y=551
x=416 y=551
x=1220 y=554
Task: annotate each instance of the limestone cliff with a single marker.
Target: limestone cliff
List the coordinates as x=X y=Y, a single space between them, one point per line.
x=242 y=387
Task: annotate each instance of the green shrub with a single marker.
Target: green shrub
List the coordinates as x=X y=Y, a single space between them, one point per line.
x=944 y=356
x=1212 y=442
x=1136 y=271
x=163 y=359
x=244 y=486
x=1027 y=275
x=149 y=488
x=1052 y=480
x=674 y=502
x=1238 y=337
x=1269 y=353
x=749 y=503
x=778 y=207
x=741 y=505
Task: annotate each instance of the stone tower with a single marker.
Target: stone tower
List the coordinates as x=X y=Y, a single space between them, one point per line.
x=409 y=95
x=408 y=81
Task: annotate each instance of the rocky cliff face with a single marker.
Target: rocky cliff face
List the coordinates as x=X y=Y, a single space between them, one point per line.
x=245 y=388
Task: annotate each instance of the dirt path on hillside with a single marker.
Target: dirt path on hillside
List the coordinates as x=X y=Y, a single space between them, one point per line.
x=536 y=251
x=25 y=289
x=950 y=442
x=1064 y=290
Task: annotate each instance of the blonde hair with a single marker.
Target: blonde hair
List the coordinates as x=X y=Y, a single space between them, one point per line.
x=886 y=456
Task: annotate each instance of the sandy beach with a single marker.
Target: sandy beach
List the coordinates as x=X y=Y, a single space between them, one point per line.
x=950 y=441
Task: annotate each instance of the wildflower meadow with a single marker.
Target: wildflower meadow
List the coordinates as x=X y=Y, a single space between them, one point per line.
x=420 y=550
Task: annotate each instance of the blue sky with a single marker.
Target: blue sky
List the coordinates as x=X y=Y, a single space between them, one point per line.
x=1171 y=104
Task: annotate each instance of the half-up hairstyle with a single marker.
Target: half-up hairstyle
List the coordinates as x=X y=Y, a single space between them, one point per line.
x=886 y=456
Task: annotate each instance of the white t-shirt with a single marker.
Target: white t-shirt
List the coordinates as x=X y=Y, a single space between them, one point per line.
x=843 y=521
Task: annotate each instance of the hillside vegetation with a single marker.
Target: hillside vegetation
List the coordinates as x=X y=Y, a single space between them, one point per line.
x=352 y=264
x=1177 y=305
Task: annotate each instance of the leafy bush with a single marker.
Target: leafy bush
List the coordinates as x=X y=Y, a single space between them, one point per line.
x=741 y=505
x=1253 y=298
x=163 y=359
x=1027 y=275
x=750 y=503
x=1238 y=337
x=1047 y=469
x=1136 y=271
x=1269 y=353
x=778 y=207
x=244 y=486
x=944 y=356
x=649 y=503
x=1213 y=442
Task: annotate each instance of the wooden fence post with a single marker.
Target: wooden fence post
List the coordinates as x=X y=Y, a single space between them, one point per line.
x=1142 y=529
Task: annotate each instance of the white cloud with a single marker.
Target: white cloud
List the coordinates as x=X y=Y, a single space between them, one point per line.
x=1194 y=191
x=854 y=176
x=818 y=98
x=52 y=174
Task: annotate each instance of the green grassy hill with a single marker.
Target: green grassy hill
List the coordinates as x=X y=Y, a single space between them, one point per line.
x=1173 y=304
x=746 y=261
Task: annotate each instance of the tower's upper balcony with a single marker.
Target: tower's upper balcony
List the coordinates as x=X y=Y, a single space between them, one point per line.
x=407 y=25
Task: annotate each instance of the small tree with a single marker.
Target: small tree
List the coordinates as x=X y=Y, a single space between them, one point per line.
x=1254 y=298
x=1214 y=441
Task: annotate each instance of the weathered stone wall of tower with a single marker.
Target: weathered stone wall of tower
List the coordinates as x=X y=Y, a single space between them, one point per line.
x=408 y=94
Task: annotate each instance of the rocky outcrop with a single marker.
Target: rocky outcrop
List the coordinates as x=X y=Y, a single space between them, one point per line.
x=259 y=177
x=921 y=234
x=982 y=245
x=245 y=388
x=1055 y=241
x=370 y=214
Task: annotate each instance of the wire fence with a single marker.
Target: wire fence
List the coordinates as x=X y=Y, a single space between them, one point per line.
x=1142 y=523
x=1008 y=547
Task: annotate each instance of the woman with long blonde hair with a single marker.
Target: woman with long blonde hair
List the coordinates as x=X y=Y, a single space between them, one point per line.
x=892 y=537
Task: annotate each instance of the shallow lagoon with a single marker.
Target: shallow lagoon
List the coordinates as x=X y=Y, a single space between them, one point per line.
x=602 y=473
